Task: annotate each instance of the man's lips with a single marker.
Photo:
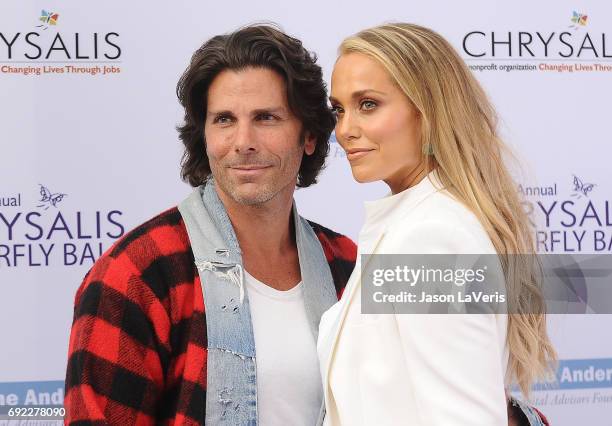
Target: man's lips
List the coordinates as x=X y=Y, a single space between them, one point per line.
x=356 y=153
x=249 y=167
x=249 y=170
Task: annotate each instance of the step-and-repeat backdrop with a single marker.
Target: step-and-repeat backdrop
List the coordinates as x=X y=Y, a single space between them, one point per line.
x=88 y=149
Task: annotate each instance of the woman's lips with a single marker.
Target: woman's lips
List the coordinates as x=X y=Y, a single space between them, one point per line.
x=355 y=154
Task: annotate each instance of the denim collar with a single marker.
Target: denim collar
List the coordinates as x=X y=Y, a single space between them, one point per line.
x=231 y=391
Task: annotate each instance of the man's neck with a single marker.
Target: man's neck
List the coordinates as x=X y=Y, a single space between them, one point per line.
x=263 y=229
x=266 y=239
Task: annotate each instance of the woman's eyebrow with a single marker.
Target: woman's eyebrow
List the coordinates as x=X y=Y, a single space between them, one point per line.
x=359 y=94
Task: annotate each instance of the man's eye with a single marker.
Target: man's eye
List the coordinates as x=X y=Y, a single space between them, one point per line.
x=367 y=105
x=222 y=119
x=266 y=117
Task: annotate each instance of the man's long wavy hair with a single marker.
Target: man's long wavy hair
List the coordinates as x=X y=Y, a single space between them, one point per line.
x=258 y=46
x=459 y=129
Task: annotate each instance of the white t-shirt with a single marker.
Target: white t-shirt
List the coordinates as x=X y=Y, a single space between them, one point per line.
x=289 y=390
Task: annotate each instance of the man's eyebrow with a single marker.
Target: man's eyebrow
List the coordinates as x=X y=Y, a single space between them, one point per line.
x=270 y=110
x=210 y=113
x=358 y=94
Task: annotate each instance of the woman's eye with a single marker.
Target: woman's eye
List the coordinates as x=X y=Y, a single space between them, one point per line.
x=368 y=105
x=336 y=110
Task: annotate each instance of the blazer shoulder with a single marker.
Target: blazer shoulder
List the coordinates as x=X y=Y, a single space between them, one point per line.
x=442 y=222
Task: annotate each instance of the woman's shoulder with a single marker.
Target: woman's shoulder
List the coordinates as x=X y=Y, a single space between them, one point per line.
x=443 y=224
x=443 y=206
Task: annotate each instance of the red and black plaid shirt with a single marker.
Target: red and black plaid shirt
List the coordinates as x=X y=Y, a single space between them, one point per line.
x=138 y=344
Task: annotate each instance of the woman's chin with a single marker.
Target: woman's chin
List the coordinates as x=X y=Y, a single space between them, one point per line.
x=362 y=177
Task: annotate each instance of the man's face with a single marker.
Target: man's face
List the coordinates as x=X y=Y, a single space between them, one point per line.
x=252 y=137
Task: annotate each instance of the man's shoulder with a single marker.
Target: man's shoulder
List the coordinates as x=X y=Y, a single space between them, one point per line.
x=335 y=245
x=156 y=254
x=162 y=234
x=340 y=253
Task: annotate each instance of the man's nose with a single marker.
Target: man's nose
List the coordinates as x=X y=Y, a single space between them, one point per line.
x=245 y=139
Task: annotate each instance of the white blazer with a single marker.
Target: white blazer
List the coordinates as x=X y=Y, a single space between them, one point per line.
x=417 y=369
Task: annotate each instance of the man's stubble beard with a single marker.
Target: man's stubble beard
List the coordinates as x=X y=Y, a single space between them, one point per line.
x=266 y=190
x=263 y=193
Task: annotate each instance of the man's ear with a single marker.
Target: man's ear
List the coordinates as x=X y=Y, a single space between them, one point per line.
x=310 y=143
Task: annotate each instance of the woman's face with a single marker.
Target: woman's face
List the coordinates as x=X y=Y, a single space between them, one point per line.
x=378 y=126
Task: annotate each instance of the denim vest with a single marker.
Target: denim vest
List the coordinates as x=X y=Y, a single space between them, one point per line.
x=231 y=389
x=530 y=414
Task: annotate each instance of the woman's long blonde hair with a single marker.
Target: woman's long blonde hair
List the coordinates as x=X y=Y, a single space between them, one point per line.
x=459 y=137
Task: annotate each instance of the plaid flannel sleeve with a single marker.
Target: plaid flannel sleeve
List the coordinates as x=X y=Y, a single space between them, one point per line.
x=114 y=373
x=137 y=350
x=340 y=253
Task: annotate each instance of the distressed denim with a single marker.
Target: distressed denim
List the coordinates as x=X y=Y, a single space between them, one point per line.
x=231 y=390
x=530 y=414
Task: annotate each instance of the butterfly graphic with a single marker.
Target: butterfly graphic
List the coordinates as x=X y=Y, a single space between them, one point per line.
x=578 y=20
x=581 y=188
x=48 y=18
x=48 y=199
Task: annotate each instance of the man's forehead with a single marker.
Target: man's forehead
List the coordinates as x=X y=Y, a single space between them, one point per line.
x=251 y=86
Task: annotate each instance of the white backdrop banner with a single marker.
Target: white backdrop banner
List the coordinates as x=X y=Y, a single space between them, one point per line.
x=89 y=149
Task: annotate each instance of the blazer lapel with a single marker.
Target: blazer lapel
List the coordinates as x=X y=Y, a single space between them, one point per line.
x=341 y=320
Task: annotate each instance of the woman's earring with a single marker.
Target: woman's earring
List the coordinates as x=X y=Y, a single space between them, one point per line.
x=427 y=149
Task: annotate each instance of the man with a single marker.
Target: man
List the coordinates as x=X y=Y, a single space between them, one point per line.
x=169 y=322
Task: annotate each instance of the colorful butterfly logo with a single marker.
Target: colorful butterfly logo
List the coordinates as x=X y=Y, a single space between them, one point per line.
x=48 y=18
x=578 y=20
x=48 y=199
x=581 y=188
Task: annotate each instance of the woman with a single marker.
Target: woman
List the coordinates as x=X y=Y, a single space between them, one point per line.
x=410 y=113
